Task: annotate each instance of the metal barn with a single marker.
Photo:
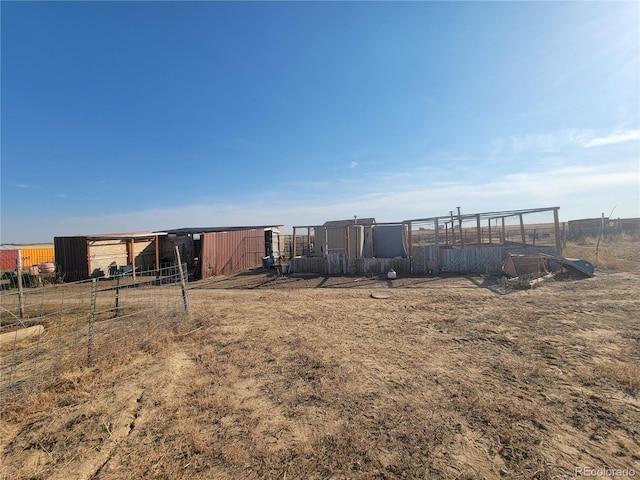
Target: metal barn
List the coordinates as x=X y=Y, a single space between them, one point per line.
x=212 y=251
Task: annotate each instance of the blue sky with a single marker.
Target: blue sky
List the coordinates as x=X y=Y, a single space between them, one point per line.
x=122 y=116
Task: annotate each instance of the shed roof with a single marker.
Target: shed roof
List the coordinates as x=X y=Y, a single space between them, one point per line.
x=344 y=223
x=194 y=230
x=118 y=236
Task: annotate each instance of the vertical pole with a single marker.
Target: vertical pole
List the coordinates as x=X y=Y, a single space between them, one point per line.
x=453 y=229
x=504 y=232
x=92 y=312
x=490 y=237
x=522 y=233
x=89 y=271
x=19 y=280
x=600 y=236
x=326 y=240
x=117 y=305
x=437 y=239
x=185 y=297
x=348 y=243
x=293 y=251
x=478 y=230
x=157 y=255
x=556 y=227
x=460 y=227
x=132 y=257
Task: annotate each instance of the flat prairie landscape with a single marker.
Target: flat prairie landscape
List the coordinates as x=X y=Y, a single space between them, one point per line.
x=280 y=377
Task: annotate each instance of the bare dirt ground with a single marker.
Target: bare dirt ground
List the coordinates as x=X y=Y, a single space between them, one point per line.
x=284 y=377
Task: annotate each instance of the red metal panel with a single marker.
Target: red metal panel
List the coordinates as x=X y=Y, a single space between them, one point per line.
x=8 y=259
x=224 y=253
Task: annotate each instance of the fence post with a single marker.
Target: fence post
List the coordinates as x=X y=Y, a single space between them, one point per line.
x=19 y=280
x=92 y=312
x=117 y=306
x=185 y=296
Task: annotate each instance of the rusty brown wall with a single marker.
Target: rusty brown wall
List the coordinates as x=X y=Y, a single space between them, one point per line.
x=224 y=253
x=8 y=259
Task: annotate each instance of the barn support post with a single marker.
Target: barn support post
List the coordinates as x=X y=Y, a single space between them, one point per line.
x=88 y=250
x=490 y=238
x=522 y=232
x=157 y=240
x=410 y=235
x=556 y=224
x=504 y=232
x=348 y=242
x=478 y=230
x=293 y=247
x=131 y=258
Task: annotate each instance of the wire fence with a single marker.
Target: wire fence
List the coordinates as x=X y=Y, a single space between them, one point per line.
x=45 y=330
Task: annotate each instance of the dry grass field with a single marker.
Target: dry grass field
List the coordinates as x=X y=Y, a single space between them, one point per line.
x=287 y=378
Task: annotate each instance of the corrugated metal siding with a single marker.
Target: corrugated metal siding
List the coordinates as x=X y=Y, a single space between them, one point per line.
x=36 y=256
x=224 y=253
x=8 y=259
x=338 y=264
x=71 y=257
x=334 y=239
x=30 y=256
x=308 y=265
x=467 y=260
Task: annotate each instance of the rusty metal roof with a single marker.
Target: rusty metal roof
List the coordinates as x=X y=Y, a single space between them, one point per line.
x=189 y=230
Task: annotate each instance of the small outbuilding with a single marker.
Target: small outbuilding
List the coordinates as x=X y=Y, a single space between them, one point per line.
x=454 y=243
x=212 y=251
x=103 y=255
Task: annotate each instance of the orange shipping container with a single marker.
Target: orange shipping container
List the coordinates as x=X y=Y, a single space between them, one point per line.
x=36 y=256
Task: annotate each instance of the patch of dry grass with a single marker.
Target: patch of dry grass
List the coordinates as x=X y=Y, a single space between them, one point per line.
x=620 y=253
x=444 y=380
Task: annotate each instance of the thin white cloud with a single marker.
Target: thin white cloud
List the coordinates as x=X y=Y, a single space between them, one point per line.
x=353 y=165
x=612 y=138
x=22 y=185
x=540 y=141
x=579 y=190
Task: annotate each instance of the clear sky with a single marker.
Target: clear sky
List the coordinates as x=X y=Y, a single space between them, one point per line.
x=127 y=116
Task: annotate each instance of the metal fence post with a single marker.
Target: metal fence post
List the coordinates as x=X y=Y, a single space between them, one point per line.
x=117 y=305
x=92 y=312
x=19 y=280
